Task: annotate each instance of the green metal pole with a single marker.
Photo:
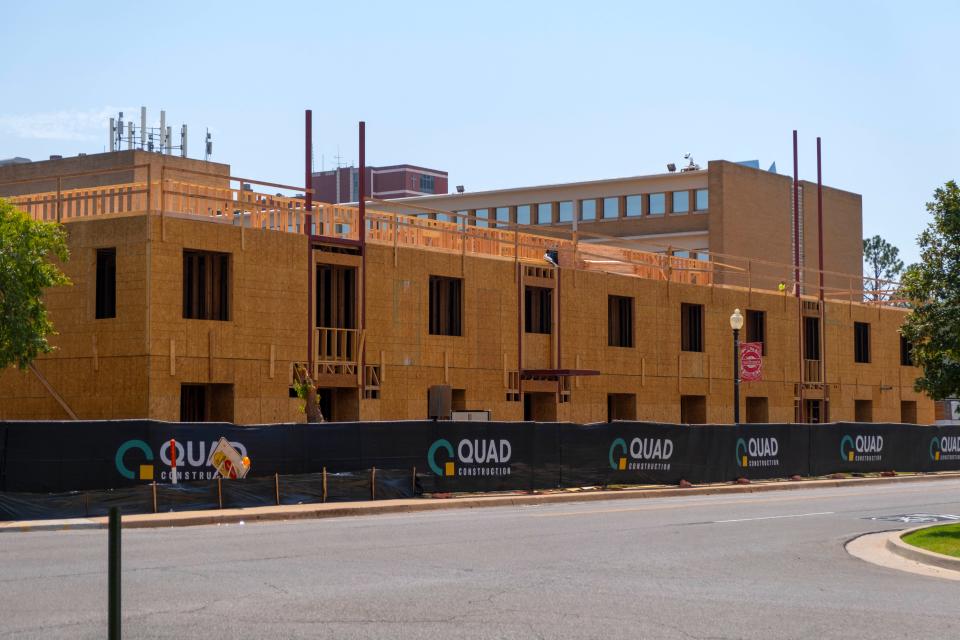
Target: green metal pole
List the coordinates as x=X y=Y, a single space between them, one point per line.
x=114 y=574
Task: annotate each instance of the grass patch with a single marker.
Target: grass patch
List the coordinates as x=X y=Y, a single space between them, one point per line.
x=944 y=539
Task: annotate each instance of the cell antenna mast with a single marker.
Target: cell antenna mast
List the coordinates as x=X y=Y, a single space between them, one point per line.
x=150 y=138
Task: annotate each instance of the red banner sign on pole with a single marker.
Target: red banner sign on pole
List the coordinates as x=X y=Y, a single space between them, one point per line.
x=751 y=361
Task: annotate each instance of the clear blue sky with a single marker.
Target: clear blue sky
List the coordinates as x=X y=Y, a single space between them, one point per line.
x=507 y=94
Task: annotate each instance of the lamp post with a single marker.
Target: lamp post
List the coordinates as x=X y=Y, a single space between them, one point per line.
x=736 y=323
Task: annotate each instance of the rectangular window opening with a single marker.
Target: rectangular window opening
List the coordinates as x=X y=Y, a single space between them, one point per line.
x=861 y=342
x=446 y=306
x=906 y=352
x=619 y=321
x=106 y=304
x=538 y=310
x=863 y=410
x=206 y=285
x=691 y=327
x=757 y=328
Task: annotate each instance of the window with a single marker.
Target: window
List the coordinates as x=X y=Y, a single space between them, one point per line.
x=588 y=209
x=619 y=321
x=691 y=327
x=811 y=338
x=523 y=214
x=701 y=200
x=426 y=184
x=681 y=201
x=633 y=205
x=861 y=342
x=658 y=204
x=863 y=410
x=545 y=213
x=758 y=410
x=757 y=328
x=206 y=285
x=611 y=207
x=906 y=352
x=693 y=409
x=538 y=309
x=503 y=214
x=481 y=216
x=106 y=283
x=446 y=306
x=566 y=211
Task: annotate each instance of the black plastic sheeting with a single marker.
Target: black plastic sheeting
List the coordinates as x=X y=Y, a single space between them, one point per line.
x=77 y=469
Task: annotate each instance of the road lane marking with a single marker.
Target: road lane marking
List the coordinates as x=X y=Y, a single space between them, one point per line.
x=795 y=515
x=754 y=499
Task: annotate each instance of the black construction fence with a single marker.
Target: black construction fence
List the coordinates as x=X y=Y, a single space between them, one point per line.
x=82 y=468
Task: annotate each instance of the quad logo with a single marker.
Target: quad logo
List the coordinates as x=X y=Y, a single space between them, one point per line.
x=861 y=448
x=758 y=452
x=193 y=460
x=643 y=454
x=472 y=457
x=945 y=448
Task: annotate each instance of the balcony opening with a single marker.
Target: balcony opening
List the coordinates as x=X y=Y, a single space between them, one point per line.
x=336 y=313
x=540 y=407
x=813 y=410
x=811 y=338
x=339 y=404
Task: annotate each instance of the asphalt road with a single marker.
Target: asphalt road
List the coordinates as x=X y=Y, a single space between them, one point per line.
x=768 y=565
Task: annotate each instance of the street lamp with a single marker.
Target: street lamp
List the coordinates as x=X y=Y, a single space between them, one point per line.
x=736 y=323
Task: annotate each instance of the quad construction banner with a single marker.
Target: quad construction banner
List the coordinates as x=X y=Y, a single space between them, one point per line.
x=82 y=467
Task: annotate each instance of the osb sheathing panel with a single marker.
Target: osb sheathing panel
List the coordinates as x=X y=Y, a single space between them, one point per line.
x=269 y=308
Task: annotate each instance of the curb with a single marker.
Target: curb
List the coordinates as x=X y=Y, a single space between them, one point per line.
x=896 y=545
x=415 y=505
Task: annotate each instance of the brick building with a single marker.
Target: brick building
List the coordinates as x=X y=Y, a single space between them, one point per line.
x=739 y=214
x=193 y=297
x=384 y=183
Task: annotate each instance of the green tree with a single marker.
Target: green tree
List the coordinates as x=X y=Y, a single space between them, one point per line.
x=26 y=269
x=933 y=288
x=882 y=263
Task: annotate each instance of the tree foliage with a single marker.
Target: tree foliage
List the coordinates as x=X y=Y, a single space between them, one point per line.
x=882 y=262
x=307 y=391
x=933 y=288
x=26 y=269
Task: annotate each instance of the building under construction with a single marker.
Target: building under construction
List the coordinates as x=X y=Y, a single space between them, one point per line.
x=196 y=292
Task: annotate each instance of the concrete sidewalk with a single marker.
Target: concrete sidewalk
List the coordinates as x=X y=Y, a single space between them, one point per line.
x=344 y=509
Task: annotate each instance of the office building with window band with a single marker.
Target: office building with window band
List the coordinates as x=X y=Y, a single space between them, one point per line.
x=195 y=293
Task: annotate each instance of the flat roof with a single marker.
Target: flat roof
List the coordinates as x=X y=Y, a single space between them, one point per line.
x=558 y=185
